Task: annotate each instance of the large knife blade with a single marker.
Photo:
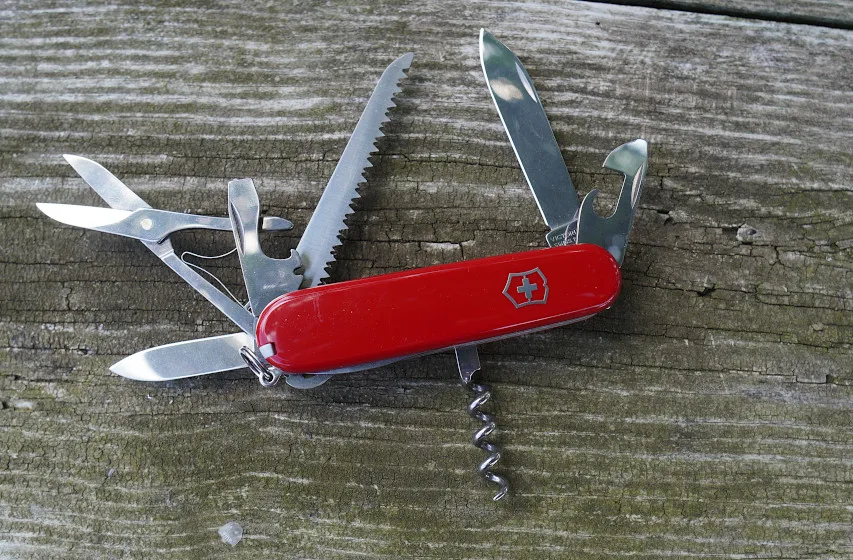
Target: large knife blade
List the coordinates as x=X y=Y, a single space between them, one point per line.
x=531 y=138
x=322 y=235
x=119 y=196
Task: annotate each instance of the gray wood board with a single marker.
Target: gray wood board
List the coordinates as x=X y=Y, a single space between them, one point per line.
x=707 y=413
x=830 y=13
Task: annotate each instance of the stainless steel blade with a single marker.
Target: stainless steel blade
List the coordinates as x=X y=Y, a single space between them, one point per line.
x=119 y=196
x=145 y=224
x=630 y=159
x=189 y=358
x=531 y=138
x=108 y=186
x=89 y=217
x=323 y=232
x=202 y=356
x=468 y=361
x=266 y=278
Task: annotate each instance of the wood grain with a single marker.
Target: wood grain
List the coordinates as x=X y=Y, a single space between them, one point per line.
x=708 y=413
x=823 y=13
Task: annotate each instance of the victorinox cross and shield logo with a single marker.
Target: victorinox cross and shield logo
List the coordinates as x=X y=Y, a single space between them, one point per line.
x=526 y=288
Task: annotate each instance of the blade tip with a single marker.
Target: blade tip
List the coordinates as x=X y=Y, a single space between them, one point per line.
x=77 y=161
x=47 y=208
x=485 y=37
x=404 y=61
x=125 y=369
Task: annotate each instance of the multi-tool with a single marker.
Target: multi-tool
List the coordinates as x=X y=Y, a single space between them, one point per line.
x=297 y=327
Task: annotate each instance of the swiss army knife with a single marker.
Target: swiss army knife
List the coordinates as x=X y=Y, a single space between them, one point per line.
x=297 y=327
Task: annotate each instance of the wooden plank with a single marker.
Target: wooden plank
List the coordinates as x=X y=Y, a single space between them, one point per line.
x=707 y=413
x=825 y=13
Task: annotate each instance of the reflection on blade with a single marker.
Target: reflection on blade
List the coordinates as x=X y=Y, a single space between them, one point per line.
x=189 y=358
x=322 y=234
x=531 y=137
x=90 y=217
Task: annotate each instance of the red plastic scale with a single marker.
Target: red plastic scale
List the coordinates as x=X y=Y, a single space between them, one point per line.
x=362 y=323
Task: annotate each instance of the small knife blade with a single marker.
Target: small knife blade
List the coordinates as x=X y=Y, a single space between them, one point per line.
x=145 y=224
x=532 y=139
x=322 y=235
x=188 y=358
x=200 y=356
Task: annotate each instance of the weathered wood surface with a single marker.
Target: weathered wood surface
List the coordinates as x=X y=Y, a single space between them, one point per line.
x=827 y=13
x=708 y=413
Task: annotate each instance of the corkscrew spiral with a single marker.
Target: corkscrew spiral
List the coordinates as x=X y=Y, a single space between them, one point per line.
x=482 y=394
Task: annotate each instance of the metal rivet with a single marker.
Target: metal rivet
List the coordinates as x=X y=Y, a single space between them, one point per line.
x=267 y=350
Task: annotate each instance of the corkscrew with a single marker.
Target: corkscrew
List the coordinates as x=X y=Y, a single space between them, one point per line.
x=469 y=363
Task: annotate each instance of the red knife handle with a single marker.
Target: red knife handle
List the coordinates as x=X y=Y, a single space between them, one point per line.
x=364 y=323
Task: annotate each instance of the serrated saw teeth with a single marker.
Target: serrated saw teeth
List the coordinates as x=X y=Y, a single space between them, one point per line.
x=329 y=221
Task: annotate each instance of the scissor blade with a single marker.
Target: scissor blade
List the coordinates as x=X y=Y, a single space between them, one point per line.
x=120 y=197
x=531 y=138
x=108 y=186
x=145 y=224
x=89 y=217
x=322 y=235
x=189 y=358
